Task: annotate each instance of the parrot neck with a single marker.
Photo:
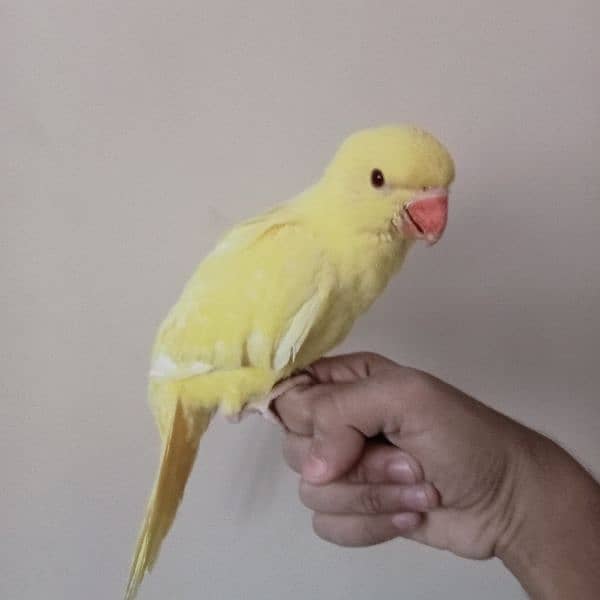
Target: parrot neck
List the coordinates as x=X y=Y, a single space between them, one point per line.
x=361 y=242
x=342 y=221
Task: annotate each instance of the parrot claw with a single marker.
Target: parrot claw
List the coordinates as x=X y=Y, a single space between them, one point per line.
x=263 y=405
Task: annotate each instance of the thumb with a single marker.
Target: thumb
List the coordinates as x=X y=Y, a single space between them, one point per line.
x=332 y=454
x=345 y=415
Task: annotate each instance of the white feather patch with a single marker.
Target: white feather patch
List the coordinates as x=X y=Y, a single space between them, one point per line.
x=299 y=328
x=164 y=367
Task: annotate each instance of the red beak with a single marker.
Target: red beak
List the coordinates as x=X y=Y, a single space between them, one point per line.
x=425 y=216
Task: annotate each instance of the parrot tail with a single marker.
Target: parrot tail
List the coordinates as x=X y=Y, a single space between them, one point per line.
x=179 y=451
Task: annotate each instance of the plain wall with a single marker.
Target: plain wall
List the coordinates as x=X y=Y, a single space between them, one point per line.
x=133 y=133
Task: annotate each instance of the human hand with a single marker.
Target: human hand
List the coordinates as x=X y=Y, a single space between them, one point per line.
x=378 y=445
x=490 y=486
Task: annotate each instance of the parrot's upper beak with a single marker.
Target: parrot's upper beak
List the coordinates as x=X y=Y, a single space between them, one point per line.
x=424 y=216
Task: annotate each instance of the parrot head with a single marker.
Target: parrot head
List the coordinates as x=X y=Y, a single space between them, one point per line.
x=393 y=178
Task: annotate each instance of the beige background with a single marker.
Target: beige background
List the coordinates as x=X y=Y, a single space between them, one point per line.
x=134 y=132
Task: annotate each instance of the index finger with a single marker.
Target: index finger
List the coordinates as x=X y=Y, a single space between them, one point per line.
x=296 y=406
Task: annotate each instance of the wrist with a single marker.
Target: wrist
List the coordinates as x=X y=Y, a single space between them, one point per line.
x=552 y=539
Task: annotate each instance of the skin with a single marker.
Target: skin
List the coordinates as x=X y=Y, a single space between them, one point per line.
x=387 y=451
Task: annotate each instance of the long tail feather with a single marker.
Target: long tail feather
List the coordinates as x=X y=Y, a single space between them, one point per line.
x=179 y=452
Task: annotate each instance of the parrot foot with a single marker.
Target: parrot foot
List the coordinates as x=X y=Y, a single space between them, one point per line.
x=263 y=404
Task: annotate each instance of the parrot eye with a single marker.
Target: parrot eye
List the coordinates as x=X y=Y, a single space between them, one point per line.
x=377 y=179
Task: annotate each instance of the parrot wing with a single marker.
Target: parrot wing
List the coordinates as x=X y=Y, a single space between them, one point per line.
x=252 y=303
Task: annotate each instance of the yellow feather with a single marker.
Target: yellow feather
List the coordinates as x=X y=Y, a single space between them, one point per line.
x=183 y=430
x=277 y=293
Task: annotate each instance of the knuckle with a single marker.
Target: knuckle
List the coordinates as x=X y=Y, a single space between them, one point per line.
x=419 y=379
x=415 y=383
x=370 y=500
x=376 y=364
x=370 y=357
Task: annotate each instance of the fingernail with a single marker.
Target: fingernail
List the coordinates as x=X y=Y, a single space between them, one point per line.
x=315 y=467
x=418 y=497
x=406 y=521
x=401 y=471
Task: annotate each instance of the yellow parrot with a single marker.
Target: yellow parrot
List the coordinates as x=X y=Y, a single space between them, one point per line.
x=279 y=291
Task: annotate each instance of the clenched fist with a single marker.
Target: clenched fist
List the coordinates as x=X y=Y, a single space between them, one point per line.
x=387 y=451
